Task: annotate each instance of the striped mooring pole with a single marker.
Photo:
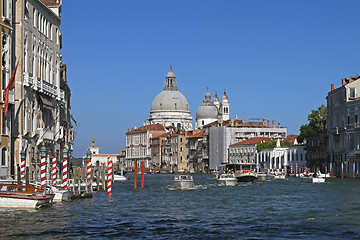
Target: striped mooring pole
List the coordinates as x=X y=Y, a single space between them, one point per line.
x=109 y=176
x=53 y=171
x=22 y=165
x=65 y=155
x=88 y=176
x=43 y=165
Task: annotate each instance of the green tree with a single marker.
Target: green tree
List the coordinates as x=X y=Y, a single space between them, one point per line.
x=260 y=146
x=317 y=124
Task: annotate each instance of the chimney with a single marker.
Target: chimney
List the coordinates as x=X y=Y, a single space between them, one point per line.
x=343 y=81
x=332 y=87
x=279 y=125
x=232 y=122
x=274 y=123
x=268 y=123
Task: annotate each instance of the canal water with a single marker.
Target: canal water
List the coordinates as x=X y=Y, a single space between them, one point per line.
x=277 y=209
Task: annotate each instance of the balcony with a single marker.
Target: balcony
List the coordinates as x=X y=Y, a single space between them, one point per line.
x=45 y=134
x=28 y=80
x=47 y=88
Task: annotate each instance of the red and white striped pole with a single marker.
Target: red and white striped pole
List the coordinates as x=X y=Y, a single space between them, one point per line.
x=22 y=165
x=53 y=171
x=43 y=166
x=65 y=175
x=88 y=156
x=109 y=176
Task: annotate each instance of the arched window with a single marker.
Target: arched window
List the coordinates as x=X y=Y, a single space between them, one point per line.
x=181 y=159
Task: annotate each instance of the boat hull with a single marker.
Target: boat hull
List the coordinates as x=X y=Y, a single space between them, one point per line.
x=27 y=201
x=228 y=182
x=247 y=176
x=312 y=180
x=183 y=184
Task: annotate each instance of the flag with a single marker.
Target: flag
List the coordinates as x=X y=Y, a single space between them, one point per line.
x=10 y=86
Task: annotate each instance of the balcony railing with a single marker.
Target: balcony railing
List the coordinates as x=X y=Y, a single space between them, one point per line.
x=28 y=80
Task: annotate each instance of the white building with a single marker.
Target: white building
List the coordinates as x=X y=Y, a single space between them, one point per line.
x=170 y=107
x=293 y=157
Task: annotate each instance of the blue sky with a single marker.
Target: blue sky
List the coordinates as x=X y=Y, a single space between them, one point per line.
x=276 y=59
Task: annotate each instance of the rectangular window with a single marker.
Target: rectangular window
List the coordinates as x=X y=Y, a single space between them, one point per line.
x=5 y=8
x=3 y=124
x=352 y=94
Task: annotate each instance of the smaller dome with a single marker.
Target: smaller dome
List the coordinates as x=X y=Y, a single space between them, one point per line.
x=224 y=96
x=216 y=99
x=207 y=111
x=208 y=95
x=170 y=74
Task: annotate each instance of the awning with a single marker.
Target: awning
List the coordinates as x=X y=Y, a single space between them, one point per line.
x=46 y=101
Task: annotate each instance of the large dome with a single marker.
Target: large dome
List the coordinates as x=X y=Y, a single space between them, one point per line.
x=170 y=107
x=170 y=101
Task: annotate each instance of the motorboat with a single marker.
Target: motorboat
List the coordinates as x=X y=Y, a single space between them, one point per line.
x=227 y=179
x=263 y=176
x=309 y=178
x=279 y=176
x=119 y=177
x=246 y=176
x=20 y=196
x=61 y=195
x=183 y=182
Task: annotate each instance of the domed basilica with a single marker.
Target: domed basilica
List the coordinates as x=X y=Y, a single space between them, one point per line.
x=170 y=107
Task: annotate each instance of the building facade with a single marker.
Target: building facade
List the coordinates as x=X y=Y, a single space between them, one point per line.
x=42 y=95
x=343 y=111
x=138 y=144
x=7 y=167
x=221 y=135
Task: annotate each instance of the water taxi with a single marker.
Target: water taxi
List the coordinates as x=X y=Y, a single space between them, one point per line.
x=183 y=182
x=227 y=179
x=20 y=196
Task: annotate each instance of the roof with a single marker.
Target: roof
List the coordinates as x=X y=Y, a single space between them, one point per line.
x=152 y=127
x=105 y=155
x=50 y=3
x=197 y=134
x=160 y=135
x=257 y=140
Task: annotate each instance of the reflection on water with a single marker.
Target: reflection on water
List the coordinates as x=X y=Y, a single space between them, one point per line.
x=277 y=209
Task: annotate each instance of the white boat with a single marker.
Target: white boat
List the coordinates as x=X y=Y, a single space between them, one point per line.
x=245 y=176
x=279 y=176
x=309 y=178
x=118 y=177
x=183 y=182
x=61 y=195
x=19 y=196
x=227 y=179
